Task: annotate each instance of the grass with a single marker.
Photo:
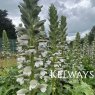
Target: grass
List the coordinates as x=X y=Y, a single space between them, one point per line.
x=6 y=64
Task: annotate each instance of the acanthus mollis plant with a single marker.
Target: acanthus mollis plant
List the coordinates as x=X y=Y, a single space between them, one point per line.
x=31 y=51
x=86 y=47
x=87 y=56
x=77 y=55
x=6 y=51
x=93 y=51
x=53 y=42
x=57 y=50
x=31 y=63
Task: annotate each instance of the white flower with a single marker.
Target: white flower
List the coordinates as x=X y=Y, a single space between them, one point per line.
x=61 y=60
x=21 y=59
x=33 y=84
x=46 y=78
x=22 y=54
x=37 y=59
x=43 y=87
x=22 y=92
x=51 y=58
x=56 y=65
x=44 y=53
x=24 y=37
x=19 y=49
x=57 y=54
x=42 y=44
x=27 y=71
x=46 y=65
x=23 y=42
x=42 y=73
x=20 y=80
x=48 y=62
x=38 y=63
x=28 y=61
x=20 y=66
x=30 y=51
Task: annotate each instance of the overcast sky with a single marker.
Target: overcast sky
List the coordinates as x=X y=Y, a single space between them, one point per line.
x=80 y=13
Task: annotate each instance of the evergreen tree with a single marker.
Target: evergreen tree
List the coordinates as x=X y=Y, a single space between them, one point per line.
x=6 y=24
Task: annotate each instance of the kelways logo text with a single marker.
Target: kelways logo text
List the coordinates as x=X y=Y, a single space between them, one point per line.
x=71 y=74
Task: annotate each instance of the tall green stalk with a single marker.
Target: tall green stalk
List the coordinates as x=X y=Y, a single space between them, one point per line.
x=5 y=44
